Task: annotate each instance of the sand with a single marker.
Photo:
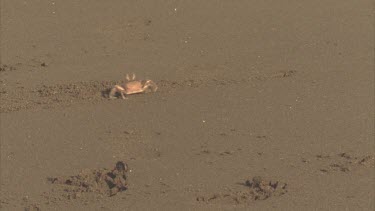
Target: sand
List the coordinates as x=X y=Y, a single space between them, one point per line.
x=278 y=92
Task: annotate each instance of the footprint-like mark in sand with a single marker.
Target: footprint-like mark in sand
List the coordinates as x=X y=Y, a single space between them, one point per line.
x=344 y=162
x=104 y=182
x=256 y=189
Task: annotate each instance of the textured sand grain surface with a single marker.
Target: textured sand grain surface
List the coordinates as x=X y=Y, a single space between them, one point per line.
x=283 y=91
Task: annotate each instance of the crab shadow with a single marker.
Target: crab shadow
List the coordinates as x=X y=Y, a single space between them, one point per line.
x=105 y=93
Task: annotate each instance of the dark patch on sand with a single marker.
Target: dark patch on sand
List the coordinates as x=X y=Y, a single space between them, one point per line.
x=5 y=68
x=101 y=181
x=344 y=162
x=257 y=189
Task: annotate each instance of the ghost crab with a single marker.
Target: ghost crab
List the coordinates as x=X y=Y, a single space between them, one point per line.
x=132 y=86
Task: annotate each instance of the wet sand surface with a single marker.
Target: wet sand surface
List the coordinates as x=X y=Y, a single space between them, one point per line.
x=277 y=92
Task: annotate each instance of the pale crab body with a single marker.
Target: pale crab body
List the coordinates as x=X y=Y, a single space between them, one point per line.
x=132 y=86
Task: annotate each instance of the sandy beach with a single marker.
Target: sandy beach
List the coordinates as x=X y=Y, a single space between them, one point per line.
x=260 y=105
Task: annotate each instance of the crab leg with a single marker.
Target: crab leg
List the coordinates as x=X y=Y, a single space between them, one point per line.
x=150 y=84
x=117 y=89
